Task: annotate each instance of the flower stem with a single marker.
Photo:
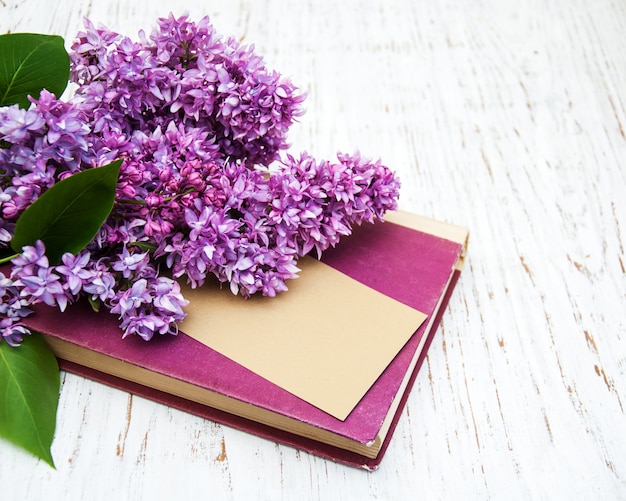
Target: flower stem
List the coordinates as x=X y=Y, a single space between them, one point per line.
x=8 y=258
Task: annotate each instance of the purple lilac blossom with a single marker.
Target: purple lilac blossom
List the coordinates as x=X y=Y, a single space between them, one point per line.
x=150 y=305
x=75 y=269
x=185 y=72
x=204 y=189
x=13 y=309
x=36 y=279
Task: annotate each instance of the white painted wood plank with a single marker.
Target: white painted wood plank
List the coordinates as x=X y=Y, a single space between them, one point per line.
x=508 y=118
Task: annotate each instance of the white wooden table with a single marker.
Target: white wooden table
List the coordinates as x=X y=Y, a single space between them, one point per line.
x=508 y=117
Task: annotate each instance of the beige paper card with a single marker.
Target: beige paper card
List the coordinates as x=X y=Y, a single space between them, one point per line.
x=326 y=340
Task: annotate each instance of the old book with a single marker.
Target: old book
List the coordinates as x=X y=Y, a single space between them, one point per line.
x=361 y=320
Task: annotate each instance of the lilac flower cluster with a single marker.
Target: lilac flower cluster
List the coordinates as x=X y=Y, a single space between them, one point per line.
x=185 y=73
x=38 y=147
x=13 y=309
x=148 y=304
x=200 y=124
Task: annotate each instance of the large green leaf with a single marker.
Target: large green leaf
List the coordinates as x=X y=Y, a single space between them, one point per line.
x=31 y=62
x=69 y=214
x=29 y=395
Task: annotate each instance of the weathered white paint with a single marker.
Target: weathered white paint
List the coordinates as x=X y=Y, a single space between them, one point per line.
x=508 y=117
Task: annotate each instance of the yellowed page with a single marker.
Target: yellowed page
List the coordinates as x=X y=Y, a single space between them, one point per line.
x=326 y=340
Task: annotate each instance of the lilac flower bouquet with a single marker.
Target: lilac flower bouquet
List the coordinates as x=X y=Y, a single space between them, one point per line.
x=172 y=148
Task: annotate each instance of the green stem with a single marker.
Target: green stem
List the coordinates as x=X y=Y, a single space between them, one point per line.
x=8 y=258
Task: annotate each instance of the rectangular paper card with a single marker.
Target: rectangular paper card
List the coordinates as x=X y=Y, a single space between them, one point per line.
x=326 y=340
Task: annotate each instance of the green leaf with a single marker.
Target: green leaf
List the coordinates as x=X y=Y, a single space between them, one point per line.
x=29 y=395
x=29 y=63
x=67 y=216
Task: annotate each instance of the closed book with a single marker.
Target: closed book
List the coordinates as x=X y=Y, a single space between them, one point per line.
x=345 y=401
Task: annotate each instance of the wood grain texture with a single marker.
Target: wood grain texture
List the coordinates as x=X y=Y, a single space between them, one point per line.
x=503 y=116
